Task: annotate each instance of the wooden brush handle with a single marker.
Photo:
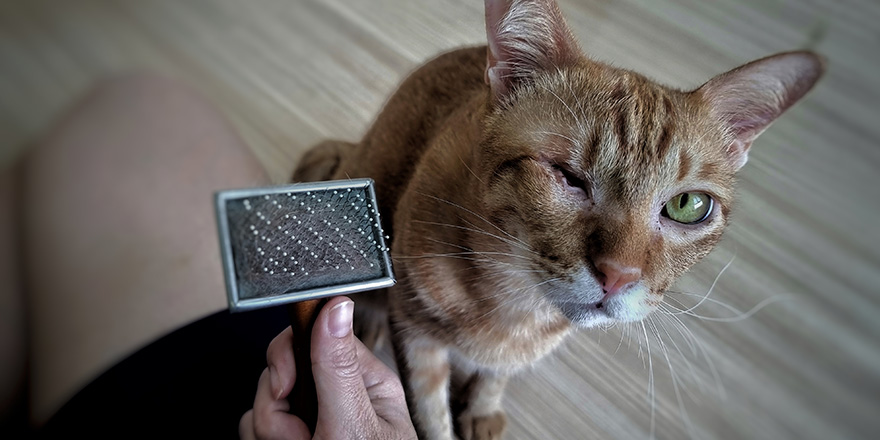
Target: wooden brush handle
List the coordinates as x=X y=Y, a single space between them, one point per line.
x=304 y=399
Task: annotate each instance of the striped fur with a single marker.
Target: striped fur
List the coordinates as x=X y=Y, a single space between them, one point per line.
x=508 y=179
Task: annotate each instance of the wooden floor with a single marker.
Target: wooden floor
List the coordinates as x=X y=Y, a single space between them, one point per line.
x=788 y=346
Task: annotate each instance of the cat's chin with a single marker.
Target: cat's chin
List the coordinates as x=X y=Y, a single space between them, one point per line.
x=594 y=319
x=630 y=306
x=586 y=315
x=589 y=316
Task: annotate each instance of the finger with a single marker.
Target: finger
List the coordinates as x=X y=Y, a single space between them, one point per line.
x=246 y=426
x=381 y=382
x=270 y=418
x=383 y=386
x=282 y=369
x=342 y=396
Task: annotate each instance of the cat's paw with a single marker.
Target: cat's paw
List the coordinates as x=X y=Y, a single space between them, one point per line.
x=482 y=427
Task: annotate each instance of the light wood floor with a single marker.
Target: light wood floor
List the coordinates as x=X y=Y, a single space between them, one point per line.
x=804 y=247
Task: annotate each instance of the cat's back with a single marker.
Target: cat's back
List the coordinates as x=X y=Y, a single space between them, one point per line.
x=430 y=93
x=412 y=117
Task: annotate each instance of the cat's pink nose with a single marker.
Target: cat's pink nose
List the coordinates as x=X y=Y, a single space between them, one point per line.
x=615 y=276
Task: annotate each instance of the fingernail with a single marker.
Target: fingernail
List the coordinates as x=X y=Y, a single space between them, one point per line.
x=275 y=381
x=340 y=319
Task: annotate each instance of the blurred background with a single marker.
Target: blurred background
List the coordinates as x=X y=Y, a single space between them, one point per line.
x=788 y=343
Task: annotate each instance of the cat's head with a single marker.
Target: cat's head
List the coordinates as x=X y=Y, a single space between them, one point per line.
x=616 y=184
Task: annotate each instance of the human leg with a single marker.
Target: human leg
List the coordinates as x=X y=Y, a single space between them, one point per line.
x=119 y=236
x=12 y=312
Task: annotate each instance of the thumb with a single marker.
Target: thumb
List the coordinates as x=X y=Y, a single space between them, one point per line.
x=343 y=400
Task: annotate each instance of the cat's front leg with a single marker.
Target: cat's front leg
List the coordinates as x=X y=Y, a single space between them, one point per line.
x=482 y=417
x=426 y=376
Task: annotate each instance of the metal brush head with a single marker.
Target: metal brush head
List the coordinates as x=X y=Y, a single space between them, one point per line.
x=302 y=241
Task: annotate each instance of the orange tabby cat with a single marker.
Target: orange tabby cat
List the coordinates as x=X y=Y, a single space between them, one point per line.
x=530 y=190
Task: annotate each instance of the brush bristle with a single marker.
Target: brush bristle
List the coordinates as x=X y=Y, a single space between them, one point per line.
x=298 y=240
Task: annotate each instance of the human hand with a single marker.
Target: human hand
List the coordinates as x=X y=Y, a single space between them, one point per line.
x=358 y=396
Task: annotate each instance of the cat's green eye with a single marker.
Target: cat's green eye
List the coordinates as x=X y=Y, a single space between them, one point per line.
x=689 y=208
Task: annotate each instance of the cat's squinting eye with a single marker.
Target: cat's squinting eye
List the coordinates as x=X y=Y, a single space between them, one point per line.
x=570 y=178
x=688 y=208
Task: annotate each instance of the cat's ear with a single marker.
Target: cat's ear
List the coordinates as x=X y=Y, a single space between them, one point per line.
x=525 y=37
x=749 y=98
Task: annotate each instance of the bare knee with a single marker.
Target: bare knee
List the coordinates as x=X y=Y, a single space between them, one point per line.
x=135 y=84
x=117 y=201
x=127 y=107
x=147 y=90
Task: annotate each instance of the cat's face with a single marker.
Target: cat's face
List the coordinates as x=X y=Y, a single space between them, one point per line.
x=616 y=185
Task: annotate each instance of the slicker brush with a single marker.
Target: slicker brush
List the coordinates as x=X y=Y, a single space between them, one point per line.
x=297 y=244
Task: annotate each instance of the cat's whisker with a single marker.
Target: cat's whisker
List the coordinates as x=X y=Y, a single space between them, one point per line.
x=624 y=330
x=528 y=288
x=704 y=384
x=675 y=379
x=556 y=134
x=504 y=293
x=742 y=315
x=668 y=296
x=562 y=101
x=663 y=350
x=702 y=136
x=523 y=245
x=639 y=353
x=475 y=230
x=478 y=216
x=679 y=325
x=580 y=104
x=469 y=256
x=467 y=249
x=492 y=311
x=464 y=256
x=671 y=340
x=551 y=280
x=698 y=343
x=508 y=298
x=533 y=305
x=651 y=396
x=487 y=276
x=510 y=267
x=630 y=331
x=679 y=307
x=476 y=257
x=712 y=287
x=690 y=365
x=495 y=270
x=470 y=170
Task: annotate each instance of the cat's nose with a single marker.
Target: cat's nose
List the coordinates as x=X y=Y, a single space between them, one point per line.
x=615 y=276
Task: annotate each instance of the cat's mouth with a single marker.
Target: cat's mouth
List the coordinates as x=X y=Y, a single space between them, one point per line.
x=590 y=311
x=586 y=315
